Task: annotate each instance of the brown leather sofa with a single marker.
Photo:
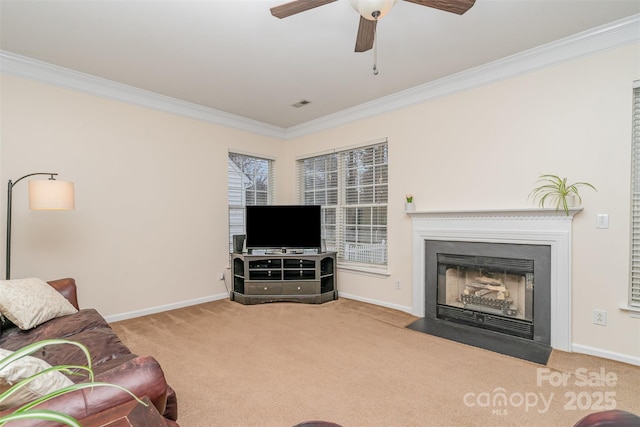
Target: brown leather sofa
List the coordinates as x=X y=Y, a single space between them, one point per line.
x=610 y=418
x=112 y=362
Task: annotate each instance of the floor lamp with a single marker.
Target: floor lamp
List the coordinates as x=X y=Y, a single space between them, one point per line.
x=43 y=195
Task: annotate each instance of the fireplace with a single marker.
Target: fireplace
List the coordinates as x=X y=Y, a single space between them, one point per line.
x=498 y=280
x=491 y=295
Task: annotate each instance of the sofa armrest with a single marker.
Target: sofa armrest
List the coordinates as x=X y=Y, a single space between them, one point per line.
x=131 y=414
x=141 y=375
x=67 y=287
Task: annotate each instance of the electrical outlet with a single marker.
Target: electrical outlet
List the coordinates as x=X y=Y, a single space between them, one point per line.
x=600 y=317
x=398 y=287
x=221 y=275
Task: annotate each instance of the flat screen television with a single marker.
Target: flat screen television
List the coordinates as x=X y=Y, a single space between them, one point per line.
x=283 y=227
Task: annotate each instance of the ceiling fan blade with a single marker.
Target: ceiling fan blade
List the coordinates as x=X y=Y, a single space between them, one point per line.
x=366 y=34
x=297 y=6
x=454 y=6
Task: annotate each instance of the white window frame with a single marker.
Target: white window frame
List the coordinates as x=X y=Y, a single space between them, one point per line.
x=339 y=199
x=241 y=183
x=634 y=285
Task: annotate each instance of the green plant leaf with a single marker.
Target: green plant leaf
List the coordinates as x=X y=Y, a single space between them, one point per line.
x=26 y=411
x=555 y=190
x=72 y=388
x=31 y=348
x=43 y=414
x=66 y=369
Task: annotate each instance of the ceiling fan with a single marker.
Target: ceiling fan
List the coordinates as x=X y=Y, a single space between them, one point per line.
x=370 y=12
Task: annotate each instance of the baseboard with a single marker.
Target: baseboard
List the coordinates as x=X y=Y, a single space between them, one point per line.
x=161 y=308
x=605 y=354
x=406 y=309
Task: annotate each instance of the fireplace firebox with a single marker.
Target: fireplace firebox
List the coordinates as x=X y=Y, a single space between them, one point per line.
x=495 y=296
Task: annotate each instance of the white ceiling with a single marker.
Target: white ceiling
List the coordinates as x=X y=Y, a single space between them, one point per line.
x=234 y=56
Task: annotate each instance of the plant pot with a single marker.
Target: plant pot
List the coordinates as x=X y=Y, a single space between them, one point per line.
x=409 y=207
x=572 y=201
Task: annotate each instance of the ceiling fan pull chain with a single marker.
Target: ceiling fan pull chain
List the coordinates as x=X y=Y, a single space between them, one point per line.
x=375 y=52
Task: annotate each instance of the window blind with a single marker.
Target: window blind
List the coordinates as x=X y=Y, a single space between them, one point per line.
x=249 y=182
x=634 y=291
x=352 y=188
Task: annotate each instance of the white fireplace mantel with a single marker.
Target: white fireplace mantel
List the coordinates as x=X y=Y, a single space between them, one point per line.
x=520 y=226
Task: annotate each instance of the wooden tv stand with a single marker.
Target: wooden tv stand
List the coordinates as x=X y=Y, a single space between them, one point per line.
x=307 y=278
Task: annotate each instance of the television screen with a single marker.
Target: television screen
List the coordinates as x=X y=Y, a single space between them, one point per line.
x=283 y=226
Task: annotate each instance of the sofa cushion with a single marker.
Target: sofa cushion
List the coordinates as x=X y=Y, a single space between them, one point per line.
x=86 y=326
x=103 y=345
x=30 y=302
x=23 y=368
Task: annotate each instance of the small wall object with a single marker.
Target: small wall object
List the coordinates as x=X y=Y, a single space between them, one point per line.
x=408 y=205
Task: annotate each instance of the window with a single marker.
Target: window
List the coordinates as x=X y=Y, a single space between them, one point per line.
x=634 y=289
x=250 y=182
x=352 y=187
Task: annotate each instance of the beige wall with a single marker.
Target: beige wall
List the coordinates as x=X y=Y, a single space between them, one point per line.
x=484 y=148
x=150 y=227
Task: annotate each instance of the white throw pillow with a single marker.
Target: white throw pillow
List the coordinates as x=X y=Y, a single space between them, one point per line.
x=30 y=302
x=23 y=368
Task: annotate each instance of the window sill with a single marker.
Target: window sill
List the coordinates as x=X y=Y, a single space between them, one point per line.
x=365 y=269
x=633 y=311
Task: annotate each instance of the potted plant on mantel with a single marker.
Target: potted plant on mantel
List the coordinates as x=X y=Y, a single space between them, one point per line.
x=408 y=205
x=558 y=192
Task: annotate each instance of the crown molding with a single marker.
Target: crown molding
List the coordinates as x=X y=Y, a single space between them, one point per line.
x=616 y=34
x=22 y=66
x=595 y=40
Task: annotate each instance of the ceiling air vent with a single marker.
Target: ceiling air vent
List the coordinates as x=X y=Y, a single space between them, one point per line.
x=301 y=103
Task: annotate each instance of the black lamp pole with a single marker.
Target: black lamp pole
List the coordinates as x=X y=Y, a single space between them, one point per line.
x=9 y=197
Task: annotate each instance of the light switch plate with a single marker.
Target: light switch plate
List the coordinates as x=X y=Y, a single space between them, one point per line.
x=602 y=221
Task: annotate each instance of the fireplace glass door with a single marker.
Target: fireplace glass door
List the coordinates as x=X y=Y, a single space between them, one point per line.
x=489 y=292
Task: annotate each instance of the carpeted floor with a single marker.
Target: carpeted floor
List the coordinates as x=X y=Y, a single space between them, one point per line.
x=356 y=364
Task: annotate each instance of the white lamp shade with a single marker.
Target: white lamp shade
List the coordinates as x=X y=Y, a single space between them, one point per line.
x=366 y=7
x=50 y=194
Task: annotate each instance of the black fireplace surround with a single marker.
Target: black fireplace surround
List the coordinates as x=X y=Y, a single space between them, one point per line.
x=500 y=299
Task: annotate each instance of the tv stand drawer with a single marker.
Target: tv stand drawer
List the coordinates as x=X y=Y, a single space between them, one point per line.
x=301 y=288
x=264 y=288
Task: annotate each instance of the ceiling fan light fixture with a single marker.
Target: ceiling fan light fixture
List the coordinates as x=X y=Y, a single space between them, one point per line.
x=372 y=10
